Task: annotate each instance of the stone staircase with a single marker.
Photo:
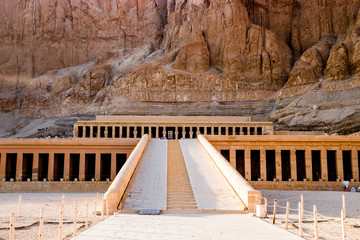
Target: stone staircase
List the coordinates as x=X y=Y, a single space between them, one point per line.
x=180 y=195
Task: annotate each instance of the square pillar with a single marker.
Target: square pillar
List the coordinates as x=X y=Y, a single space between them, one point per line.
x=97 y=167
x=106 y=133
x=76 y=131
x=127 y=131
x=113 y=166
x=293 y=165
x=324 y=167
x=227 y=131
x=183 y=133
x=120 y=132
x=98 y=131
x=66 y=166
x=255 y=131
x=82 y=167
x=51 y=167
x=35 y=169
x=247 y=164
x=113 y=132
x=355 y=164
x=339 y=164
x=176 y=133
x=164 y=132
x=142 y=131
x=91 y=131
x=308 y=164
x=212 y=130
x=157 y=132
x=19 y=166
x=2 y=165
x=197 y=131
x=278 y=164
x=262 y=164
x=233 y=157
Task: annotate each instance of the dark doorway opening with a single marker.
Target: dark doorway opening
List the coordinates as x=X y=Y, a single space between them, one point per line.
x=138 y=132
x=194 y=130
x=223 y=130
x=43 y=166
x=285 y=165
x=226 y=154
x=240 y=162
x=131 y=133
x=347 y=165
x=202 y=130
x=245 y=130
x=27 y=166
x=124 y=132
x=300 y=165
x=252 y=131
x=270 y=165
x=110 y=132
x=153 y=132
x=146 y=130
x=208 y=130
x=95 y=132
x=117 y=132
x=231 y=132
x=74 y=166
x=105 y=166
x=161 y=134
x=58 y=166
x=89 y=166
x=102 y=132
x=120 y=161
x=170 y=132
x=237 y=130
x=11 y=159
x=331 y=165
x=255 y=165
x=259 y=131
x=80 y=131
x=187 y=132
x=216 y=131
x=180 y=132
x=316 y=164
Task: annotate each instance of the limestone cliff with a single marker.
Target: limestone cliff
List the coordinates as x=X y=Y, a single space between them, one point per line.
x=295 y=62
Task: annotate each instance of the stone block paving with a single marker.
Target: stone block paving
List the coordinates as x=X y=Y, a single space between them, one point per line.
x=185 y=226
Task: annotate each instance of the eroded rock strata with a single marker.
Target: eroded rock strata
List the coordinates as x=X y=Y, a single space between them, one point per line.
x=294 y=62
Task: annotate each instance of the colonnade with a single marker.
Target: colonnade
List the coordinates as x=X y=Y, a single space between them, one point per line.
x=61 y=166
x=170 y=132
x=259 y=163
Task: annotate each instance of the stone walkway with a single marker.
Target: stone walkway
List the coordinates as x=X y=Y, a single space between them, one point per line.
x=185 y=226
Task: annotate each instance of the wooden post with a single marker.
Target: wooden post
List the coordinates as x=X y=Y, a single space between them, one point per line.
x=300 y=220
x=12 y=227
x=75 y=218
x=275 y=203
x=87 y=215
x=302 y=205
x=107 y=208
x=287 y=215
x=61 y=219
x=19 y=205
x=41 y=224
x=95 y=210
x=266 y=207
x=316 y=230
x=343 y=222
x=344 y=204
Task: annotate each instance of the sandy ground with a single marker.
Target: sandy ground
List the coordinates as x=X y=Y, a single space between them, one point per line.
x=27 y=226
x=329 y=204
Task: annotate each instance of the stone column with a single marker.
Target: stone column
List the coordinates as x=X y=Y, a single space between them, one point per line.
x=164 y=131
x=354 y=164
x=113 y=132
x=84 y=132
x=91 y=131
x=127 y=131
x=2 y=165
x=308 y=164
x=278 y=164
x=255 y=131
x=106 y=133
x=197 y=131
x=324 y=168
x=98 y=131
x=233 y=157
x=82 y=167
x=113 y=166
x=35 y=169
x=247 y=164
x=67 y=167
x=227 y=131
x=293 y=165
x=183 y=133
x=51 y=167
x=191 y=133
x=176 y=133
x=263 y=163
x=142 y=131
x=97 y=167
x=19 y=166
x=212 y=130
x=241 y=131
x=76 y=131
x=157 y=132
x=120 y=132
x=339 y=164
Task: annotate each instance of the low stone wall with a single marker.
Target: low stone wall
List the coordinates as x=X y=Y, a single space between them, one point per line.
x=243 y=189
x=302 y=186
x=123 y=178
x=34 y=187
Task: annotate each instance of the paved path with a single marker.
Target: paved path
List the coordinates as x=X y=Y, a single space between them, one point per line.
x=211 y=190
x=185 y=226
x=148 y=191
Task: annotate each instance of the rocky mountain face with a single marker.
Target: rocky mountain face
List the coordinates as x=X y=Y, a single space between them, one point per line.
x=294 y=62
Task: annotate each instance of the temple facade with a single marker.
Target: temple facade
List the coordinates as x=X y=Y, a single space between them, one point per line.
x=100 y=147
